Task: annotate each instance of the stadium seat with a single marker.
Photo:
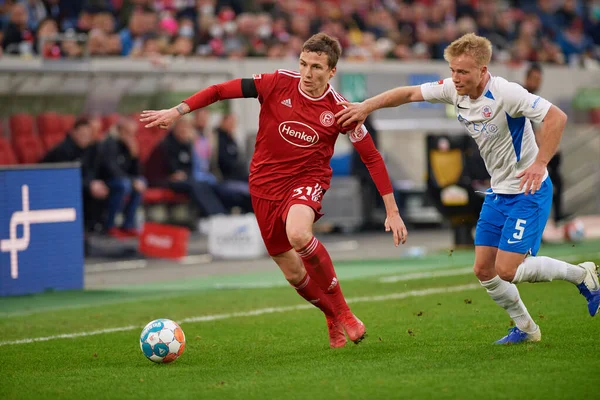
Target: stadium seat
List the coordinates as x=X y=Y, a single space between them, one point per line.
x=68 y=120
x=162 y=195
x=51 y=129
x=21 y=125
x=147 y=143
x=29 y=149
x=49 y=123
x=109 y=120
x=7 y=156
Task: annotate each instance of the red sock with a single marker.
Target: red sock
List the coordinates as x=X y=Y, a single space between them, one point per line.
x=311 y=292
x=319 y=266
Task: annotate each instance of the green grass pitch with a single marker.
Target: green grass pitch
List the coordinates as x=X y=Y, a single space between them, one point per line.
x=429 y=337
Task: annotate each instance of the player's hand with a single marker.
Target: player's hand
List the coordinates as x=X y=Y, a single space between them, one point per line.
x=394 y=223
x=354 y=112
x=531 y=178
x=99 y=189
x=161 y=118
x=139 y=185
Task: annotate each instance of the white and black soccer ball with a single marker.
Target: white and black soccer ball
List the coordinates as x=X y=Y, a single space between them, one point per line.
x=162 y=341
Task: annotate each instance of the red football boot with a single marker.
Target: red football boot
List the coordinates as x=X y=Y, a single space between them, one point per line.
x=337 y=338
x=354 y=327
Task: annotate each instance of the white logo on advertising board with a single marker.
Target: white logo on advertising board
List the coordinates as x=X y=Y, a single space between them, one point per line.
x=26 y=217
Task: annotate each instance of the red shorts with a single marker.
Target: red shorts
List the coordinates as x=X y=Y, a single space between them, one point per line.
x=272 y=214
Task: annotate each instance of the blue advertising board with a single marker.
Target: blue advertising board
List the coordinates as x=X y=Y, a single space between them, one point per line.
x=41 y=228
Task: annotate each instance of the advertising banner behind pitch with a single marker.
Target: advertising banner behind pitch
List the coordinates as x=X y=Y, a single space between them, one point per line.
x=41 y=229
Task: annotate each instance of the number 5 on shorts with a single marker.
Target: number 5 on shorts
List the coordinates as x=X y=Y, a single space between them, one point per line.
x=520 y=229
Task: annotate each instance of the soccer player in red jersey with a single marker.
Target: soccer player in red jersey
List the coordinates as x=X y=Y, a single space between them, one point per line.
x=290 y=171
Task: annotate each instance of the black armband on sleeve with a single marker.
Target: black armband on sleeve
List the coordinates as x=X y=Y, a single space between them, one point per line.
x=249 y=88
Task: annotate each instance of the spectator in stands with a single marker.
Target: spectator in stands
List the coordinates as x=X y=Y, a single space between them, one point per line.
x=47 y=29
x=228 y=160
x=119 y=168
x=190 y=174
x=79 y=146
x=18 y=38
x=132 y=36
x=228 y=163
x=542 y=30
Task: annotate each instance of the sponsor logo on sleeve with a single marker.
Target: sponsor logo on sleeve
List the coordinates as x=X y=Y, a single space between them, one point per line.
x=357 y=134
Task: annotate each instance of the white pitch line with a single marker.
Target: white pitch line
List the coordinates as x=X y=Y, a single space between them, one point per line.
x=422 y=275
x=251 y=313
x=116 y=266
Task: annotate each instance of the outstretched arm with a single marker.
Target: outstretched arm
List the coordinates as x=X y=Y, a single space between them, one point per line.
x=363 y=143
x=234 y=89
x=357 y=112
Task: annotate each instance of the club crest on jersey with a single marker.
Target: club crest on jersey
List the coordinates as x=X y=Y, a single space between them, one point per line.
x=327 y=118
x=357 y=134
x=487 y=111
x=298 y=134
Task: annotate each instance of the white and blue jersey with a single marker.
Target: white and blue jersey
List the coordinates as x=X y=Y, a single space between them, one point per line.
x=500 y=122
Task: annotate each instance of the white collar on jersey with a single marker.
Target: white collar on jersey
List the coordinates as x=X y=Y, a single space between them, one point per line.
x=314 y=98
x=485 y=89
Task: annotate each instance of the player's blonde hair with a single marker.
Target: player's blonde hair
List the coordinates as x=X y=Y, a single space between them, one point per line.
x=477 y=47
x=323 y=43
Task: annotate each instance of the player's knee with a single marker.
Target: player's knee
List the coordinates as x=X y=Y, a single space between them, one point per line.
x=298 y=237
x=294 y=277
x=484 y=272
x=506 y=272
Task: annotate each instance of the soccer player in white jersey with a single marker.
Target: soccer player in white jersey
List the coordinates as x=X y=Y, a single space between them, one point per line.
x=497 y=114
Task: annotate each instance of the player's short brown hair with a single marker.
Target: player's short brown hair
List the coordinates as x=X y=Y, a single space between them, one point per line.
x=323 y=43
x=477 y=47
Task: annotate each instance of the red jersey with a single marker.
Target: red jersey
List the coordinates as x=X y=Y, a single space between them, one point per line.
x=296 y=136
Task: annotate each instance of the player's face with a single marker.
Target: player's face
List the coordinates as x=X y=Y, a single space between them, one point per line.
x=83 y=136
x=467 y=76
x=315 y=73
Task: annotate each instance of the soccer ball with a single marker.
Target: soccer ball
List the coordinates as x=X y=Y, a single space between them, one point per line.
x=162 y=341
x=574 y=230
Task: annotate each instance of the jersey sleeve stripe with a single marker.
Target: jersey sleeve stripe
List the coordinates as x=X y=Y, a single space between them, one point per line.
x=338 y=97
x=289 y=73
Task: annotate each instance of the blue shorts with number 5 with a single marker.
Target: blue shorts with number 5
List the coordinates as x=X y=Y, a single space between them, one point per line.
x=514 y=222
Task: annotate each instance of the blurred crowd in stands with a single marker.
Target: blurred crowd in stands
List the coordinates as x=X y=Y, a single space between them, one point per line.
x=125 y=165
x=550 y=31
